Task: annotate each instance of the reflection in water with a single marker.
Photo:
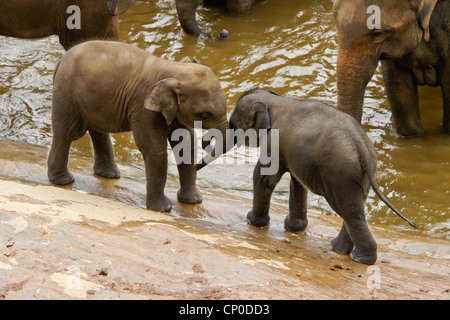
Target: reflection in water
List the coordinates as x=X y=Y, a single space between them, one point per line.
x=287 y=46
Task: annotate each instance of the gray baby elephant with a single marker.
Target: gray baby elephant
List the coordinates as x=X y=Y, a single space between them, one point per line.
x=324 y=150
x=107 y=87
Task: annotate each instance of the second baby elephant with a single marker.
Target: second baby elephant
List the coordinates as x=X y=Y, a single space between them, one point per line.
x=324 y=150
x=106 y=87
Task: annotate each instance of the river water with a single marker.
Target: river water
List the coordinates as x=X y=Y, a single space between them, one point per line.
x=287 y=46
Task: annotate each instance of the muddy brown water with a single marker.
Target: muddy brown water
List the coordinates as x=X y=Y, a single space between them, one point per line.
x=288 y=46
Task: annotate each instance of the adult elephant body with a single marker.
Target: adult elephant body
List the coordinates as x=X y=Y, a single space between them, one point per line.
x=36 y=19
x=107 y=86
x=186 y=10
x=412 y=41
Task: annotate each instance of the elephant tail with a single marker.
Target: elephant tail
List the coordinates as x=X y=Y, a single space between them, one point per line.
x=368 y=167
x=112 y=4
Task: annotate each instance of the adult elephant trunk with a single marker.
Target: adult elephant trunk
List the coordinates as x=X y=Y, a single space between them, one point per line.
x=355 y=68
x=223 y=143
x=186 y=10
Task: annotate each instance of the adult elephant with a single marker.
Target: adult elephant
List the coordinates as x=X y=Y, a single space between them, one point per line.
x=412 y=40
x=186 y=10
x=36 y=19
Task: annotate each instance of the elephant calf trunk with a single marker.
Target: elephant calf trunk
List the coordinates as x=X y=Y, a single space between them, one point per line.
x=227 y=145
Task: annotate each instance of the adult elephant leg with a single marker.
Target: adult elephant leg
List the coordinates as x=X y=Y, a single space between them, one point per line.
x=153 y=145
x=297 y=219
x=240 y=6
x=445 y=86
x=263 y=187
x=104 y=164
x=188 y=192
x=401 y=89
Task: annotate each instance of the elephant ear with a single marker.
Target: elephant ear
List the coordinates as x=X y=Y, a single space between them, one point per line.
x=164 y=98
x=261 y=116
x=425 y=16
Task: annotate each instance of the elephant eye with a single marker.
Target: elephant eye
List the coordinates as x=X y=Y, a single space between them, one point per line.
x=204 y=115
x=376 y=32
x=383 y=33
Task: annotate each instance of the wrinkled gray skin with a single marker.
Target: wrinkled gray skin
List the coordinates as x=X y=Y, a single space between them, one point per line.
x=325 y=151
x=186 y=10
x=413 y=45
x=105 y=87
x=36 y=19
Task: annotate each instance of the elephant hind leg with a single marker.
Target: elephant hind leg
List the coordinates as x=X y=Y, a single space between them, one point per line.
x=104 y=164
x=355 y=236
x=67 y=128
x=343 y=243
x=58 y=159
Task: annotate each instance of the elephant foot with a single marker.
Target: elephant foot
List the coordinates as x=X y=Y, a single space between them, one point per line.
x=257 y=221
x=364 y=257
x=341 y=245
x=294 y=225
x=161 y=204
x=62 y=178
x=110 y=171
x=189 y=195
x=410 y=132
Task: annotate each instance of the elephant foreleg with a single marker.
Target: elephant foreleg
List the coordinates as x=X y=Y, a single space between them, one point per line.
x=188 y=192
x=104 y=164
x=297 y=219
x=403 y=97
x=153 y=146
x=263 y=187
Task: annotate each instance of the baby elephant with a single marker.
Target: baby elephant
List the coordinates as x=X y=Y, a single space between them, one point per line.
x=324 y=150
x=106 y=87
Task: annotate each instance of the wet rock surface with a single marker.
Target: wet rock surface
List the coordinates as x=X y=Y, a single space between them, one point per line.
x=95 y=240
